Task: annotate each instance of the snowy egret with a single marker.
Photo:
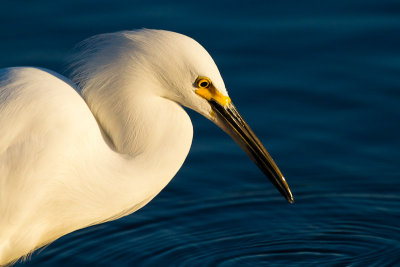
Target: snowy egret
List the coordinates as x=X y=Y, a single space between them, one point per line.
x=71 y=158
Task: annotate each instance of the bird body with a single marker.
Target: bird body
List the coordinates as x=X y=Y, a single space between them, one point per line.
x=54 y=161
x=74 y=153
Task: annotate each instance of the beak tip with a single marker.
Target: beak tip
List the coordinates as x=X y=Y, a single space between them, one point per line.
x=286 y=191
x=290 y=200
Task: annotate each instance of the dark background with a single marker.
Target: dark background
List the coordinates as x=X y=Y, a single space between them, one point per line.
x=318 y=81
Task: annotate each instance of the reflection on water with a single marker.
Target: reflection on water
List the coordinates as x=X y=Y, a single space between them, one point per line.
x=319 y=84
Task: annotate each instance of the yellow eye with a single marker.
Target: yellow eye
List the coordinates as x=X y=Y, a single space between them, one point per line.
x=206 y=90
x=203 y=83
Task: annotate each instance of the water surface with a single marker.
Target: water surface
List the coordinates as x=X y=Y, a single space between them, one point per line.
x=318 y=81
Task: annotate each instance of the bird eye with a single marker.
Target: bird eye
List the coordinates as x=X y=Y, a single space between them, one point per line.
x=203 y=83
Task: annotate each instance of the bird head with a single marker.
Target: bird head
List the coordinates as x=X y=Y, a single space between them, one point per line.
x=192 y=79
x=181 y=71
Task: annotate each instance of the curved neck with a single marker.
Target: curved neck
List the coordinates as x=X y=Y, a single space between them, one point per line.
x=151 y=136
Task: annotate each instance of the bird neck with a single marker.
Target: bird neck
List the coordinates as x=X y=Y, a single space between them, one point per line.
x=151 y=136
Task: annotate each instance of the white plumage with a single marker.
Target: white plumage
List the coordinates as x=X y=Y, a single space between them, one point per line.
x=67 y=162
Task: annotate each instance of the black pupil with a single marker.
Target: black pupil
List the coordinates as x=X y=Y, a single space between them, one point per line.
x=204 y=84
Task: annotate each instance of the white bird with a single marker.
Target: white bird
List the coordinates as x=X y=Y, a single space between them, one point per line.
x=71 y=158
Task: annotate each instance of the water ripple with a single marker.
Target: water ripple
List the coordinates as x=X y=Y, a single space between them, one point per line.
x=329 y=229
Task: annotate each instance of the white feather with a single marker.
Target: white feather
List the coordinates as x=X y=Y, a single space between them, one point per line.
x=65 y=163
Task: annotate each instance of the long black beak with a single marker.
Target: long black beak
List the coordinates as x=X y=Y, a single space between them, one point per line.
x=229 y=119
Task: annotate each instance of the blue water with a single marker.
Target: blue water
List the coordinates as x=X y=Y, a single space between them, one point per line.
x=318 y=81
